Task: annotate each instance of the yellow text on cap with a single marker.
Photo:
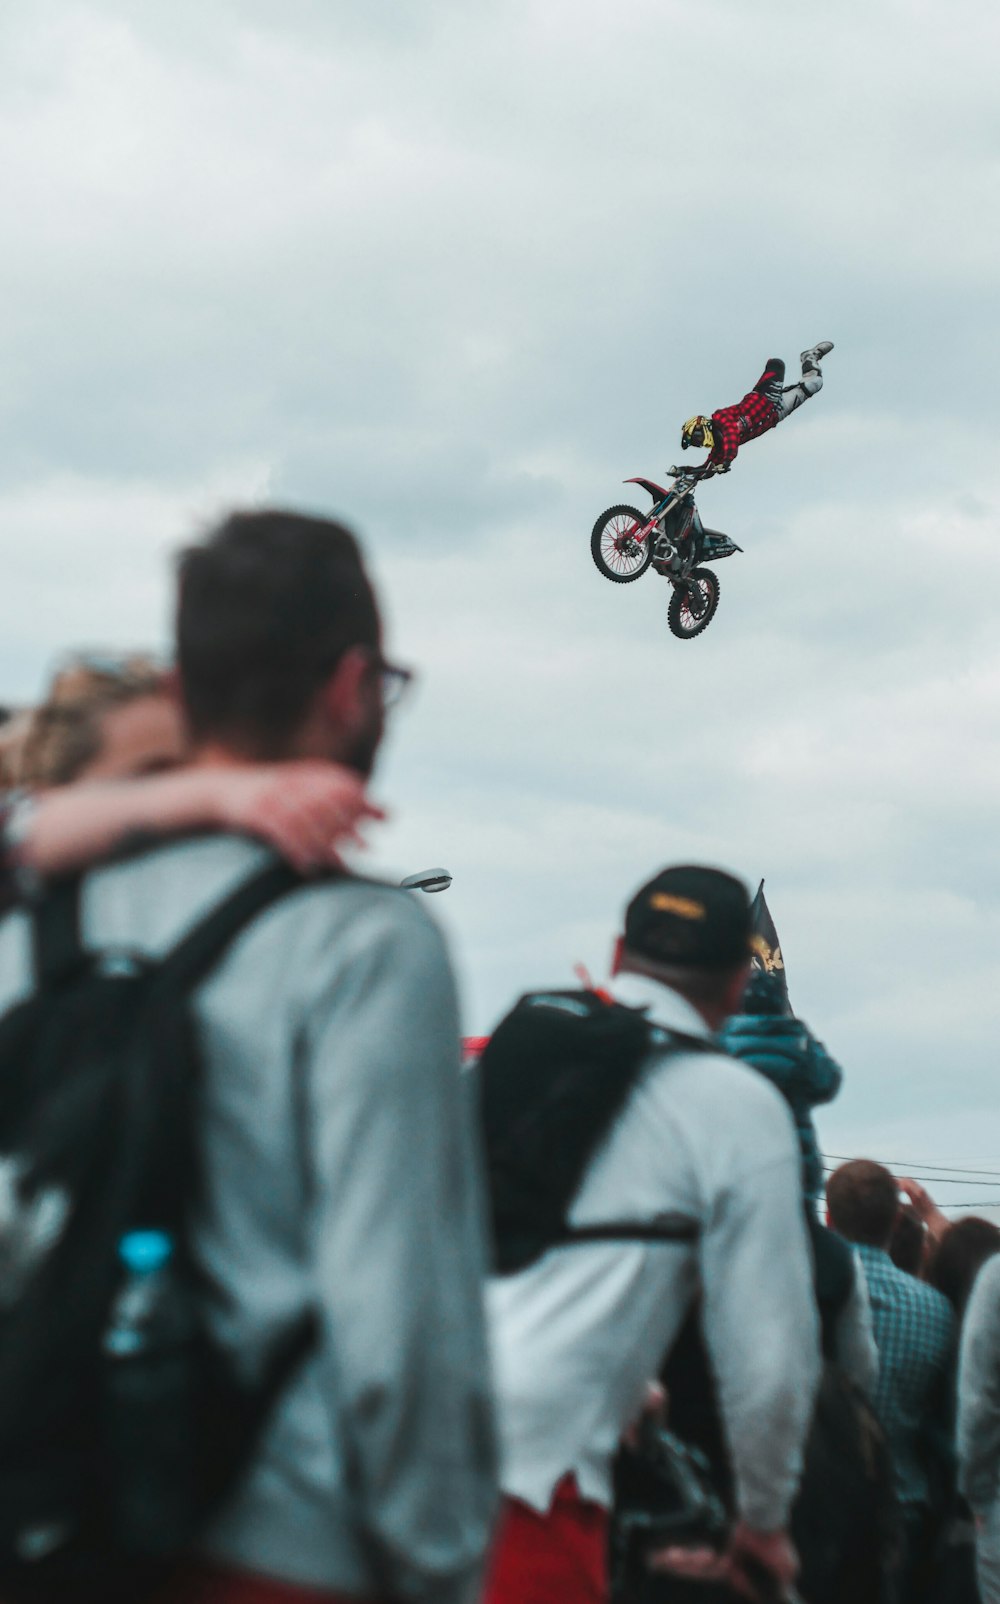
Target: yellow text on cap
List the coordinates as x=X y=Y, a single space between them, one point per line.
x=683 y=907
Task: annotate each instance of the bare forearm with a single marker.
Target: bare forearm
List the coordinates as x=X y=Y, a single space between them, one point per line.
x=80 y=824
x=305 y=810
x=926 y=1209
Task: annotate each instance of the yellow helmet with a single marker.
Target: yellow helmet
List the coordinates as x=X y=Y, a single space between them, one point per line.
x=707 y=436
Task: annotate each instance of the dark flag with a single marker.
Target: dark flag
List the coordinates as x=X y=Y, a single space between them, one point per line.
x=767 y=958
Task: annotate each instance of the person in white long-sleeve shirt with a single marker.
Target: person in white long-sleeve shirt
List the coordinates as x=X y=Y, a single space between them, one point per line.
x=577 y=1335
x=979 y=1423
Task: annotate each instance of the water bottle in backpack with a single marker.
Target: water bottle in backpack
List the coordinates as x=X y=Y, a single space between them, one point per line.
x=150 y=1407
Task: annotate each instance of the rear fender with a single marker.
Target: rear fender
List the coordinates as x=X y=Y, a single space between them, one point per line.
x=656 y=491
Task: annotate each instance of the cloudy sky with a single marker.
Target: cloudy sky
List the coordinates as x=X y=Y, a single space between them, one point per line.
x=453 y=272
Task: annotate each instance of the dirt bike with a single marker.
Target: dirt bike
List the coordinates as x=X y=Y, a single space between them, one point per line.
x=674 y=540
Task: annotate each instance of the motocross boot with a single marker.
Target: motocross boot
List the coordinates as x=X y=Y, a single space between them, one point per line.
x=812 y=358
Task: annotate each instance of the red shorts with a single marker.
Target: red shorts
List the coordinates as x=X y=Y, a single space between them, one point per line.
x=206 y=1585
x=558 y=1558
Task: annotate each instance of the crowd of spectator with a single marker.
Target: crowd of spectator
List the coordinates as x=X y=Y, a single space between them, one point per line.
x=708 y=1369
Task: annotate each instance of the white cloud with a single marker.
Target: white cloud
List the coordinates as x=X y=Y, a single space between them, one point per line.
x=453 y=273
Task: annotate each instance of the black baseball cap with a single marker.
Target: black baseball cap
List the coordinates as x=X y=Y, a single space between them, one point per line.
x=690 y=917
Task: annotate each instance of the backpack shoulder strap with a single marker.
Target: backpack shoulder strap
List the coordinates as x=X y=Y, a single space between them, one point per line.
x=667 y=1042
x=55 y=933
x=669 y=1227
x=58 y=944
x=190 y=961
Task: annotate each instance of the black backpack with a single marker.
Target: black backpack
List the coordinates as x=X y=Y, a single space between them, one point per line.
x=99 y=1069
x=554 y=1076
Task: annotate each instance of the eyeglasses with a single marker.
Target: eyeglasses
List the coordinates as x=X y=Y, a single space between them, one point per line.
x=395 y=682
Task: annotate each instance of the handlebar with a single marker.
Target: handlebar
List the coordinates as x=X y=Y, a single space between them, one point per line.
x=684 y=481
x=706 y=471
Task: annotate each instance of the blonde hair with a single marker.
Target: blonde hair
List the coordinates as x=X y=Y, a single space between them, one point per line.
x=13 y=731
x=63 y=734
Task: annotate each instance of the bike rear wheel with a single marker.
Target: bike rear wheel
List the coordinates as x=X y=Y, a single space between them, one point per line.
x=619 y=556
x=688 y=615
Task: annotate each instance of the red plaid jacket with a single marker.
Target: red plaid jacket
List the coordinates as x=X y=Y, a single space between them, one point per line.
x=752 y=416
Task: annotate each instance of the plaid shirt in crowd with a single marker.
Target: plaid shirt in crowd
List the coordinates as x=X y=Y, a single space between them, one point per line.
x=732 y=426
x=915 y=1335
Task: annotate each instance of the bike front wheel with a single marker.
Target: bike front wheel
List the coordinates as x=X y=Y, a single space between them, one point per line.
x=614 y=548
x=688 y=614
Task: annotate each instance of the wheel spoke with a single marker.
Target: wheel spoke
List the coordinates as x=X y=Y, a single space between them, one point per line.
x=619 y=547
x=614 y=545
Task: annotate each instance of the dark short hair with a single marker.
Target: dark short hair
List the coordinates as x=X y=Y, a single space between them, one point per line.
x=960 y=1255
x=268 y=603
x=863 y=1200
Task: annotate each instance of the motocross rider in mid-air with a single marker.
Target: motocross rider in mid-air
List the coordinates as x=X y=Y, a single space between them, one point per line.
x=762 y=408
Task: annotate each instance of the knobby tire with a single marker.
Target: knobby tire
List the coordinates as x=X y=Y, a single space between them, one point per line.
x=679 y=608
x=623 y=575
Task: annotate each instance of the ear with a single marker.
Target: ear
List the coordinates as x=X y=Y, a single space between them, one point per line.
x=735 y=989
x=346 y=694
x=616 y=956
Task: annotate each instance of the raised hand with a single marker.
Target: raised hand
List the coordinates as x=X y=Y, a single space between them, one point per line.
x=925 y=1208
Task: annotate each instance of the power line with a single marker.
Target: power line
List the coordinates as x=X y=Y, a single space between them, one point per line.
x=939 y=1180
x=914 y=1164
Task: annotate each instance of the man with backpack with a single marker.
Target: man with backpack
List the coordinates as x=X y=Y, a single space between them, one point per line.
x=634 y=1169
x=241 y=1324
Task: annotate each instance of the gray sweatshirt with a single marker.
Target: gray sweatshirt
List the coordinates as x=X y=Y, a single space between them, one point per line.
x=342 y=1175
x=979 y=1392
